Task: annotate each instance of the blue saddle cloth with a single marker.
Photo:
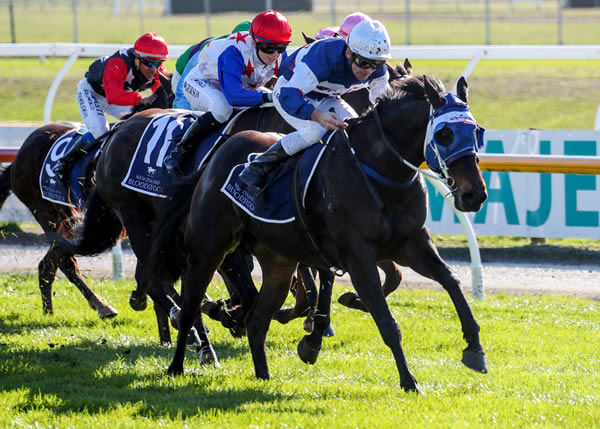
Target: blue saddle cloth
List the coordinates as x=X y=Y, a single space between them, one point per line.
x=275 y=204
x=53 y=189
x=147 y=173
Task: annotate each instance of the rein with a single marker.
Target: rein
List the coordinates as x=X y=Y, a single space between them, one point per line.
x=444 y=176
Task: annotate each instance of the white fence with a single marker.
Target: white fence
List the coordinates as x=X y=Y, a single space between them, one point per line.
x=474 y=53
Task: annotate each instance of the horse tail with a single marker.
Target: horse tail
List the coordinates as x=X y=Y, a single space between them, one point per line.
x=167 y=256
x=5 y=188
x=101 y=230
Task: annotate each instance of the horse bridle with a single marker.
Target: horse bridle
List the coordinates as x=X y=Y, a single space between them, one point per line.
x=445 y=177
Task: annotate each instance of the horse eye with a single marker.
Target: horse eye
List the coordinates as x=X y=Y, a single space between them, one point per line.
x=444 y=136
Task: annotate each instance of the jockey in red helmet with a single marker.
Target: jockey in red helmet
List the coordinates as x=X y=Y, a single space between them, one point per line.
x=231 y=72
x=112 y=85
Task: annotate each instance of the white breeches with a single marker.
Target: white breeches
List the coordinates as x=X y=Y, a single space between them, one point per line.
x=94 y=106
x=175 y=79
x=206 y=96
x=309 y=132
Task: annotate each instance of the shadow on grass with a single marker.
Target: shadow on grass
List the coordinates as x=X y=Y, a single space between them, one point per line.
x=100 y=377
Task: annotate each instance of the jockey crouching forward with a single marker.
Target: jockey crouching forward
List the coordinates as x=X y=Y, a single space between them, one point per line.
x=186 y=63
x=229 y=73
x=111 y=86
x=307 y=95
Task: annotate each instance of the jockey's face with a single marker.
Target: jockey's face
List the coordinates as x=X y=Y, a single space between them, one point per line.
x=360 y=73
x=268 y=53
x=148 y=69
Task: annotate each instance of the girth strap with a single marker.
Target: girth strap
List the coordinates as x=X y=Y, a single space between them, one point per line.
x=304 y=222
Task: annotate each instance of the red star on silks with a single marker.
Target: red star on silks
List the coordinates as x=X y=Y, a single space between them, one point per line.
x=241 y=37
x=276 y=69
x=249 y=69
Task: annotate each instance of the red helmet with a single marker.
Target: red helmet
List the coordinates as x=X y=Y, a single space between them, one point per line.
x=151 y=46
x=271 y=27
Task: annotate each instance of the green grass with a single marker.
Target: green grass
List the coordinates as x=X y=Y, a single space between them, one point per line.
x=74 y=370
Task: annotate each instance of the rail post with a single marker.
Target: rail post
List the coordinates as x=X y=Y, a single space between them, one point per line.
x=476 y=267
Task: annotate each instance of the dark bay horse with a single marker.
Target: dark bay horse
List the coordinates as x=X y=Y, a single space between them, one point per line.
x=112 y=206
x=358 y=220
x=22 y=178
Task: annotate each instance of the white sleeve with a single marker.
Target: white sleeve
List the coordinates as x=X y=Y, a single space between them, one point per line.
x=303 y=79
x=378 y=87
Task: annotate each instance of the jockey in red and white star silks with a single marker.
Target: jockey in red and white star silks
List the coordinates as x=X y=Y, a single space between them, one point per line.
x=230 y=72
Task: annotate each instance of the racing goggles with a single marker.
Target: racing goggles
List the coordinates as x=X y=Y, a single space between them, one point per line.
x=270 y=48
x=150 y=63
x=365 y=63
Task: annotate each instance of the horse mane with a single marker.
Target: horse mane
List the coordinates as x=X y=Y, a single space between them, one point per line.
x=401 y=90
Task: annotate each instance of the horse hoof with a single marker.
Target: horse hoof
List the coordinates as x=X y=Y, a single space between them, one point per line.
x=307 y=353
x=329 y=331
x=238 y=331
x=175 y=369
x=138 y=303
x=475 y=361
x=107 y=312
x=174 y=314
x=351 y=300
x=208 y=356
x=193 y=339
x=308 y=325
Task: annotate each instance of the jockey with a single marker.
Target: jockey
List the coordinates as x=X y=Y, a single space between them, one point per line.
x=187 y=62
x=231 y=72
x=112 y=85
x=307 y=95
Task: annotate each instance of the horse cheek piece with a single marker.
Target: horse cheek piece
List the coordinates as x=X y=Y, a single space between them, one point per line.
x=366 y=203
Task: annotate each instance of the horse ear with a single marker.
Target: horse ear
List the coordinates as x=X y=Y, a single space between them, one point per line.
x=400 y=70
x=394 y=74
x=308 y=39
x=433 y=93
x=408 y=66
x=462 y=89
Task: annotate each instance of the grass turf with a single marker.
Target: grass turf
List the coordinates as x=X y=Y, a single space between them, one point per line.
x=74 y=370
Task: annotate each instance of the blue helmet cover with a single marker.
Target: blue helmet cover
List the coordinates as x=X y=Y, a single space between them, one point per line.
x=467 y=134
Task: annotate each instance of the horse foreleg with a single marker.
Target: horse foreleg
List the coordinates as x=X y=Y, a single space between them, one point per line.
x=68 y=265
x=425 y=260
x=393 y=277
x=365 y=279
x=46 y=274
x=162 y=320
x=302 y=305
x=276 y=285
x=138 y=300
x=310 y=346
x=202 y=266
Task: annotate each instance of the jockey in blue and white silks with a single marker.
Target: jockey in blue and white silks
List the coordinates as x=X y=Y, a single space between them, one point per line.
x=311 y=82
x=230 y=72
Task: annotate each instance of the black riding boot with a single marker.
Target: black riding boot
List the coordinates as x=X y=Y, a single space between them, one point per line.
x=82 y=146
x=254 y=174
x=199 y=130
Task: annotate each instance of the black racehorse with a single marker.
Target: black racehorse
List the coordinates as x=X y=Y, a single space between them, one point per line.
x=22 y=178
x=113 y=206
x=358 y=219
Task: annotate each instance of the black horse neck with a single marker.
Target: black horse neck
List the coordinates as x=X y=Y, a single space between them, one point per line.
x=391 y=133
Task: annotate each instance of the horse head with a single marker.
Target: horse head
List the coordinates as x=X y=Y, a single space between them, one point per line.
x=451 y=144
